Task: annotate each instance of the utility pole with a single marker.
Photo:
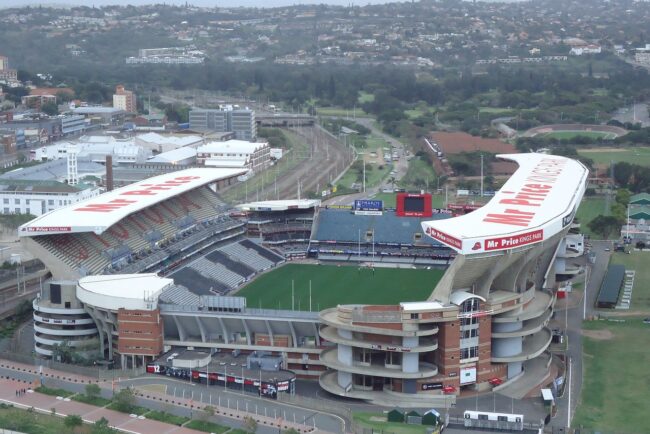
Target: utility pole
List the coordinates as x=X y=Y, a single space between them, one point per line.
x=481 y=175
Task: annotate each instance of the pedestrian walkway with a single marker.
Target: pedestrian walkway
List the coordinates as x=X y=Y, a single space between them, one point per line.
x=223 y=409
x=90 y=414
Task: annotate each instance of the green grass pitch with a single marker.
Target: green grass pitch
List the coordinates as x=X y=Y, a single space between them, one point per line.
x=333 y=285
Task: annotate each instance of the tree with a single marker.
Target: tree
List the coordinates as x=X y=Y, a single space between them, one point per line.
x=92 y=390
x=604 y=225
x=250 y=424
x=208 y=412
x=72 y=421
x=125 y=400
x=101 y=427
x=50 y=108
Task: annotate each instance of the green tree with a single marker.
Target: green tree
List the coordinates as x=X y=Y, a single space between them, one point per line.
x=208 y=412
x=604 y=225
x=92 y=390
x=72 y=421
x=125 y=400
x=101 y=427
x=250 y=424
x=50 y=108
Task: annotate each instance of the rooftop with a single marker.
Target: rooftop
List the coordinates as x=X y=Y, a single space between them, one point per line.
x=236 y=146
x=279 y=205
x=537 y=202
x=101 y=212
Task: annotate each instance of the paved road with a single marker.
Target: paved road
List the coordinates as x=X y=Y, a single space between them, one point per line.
x=399 y=167
x=234 y=399
x=634 y=113
x=585 y=306
x=198 y=400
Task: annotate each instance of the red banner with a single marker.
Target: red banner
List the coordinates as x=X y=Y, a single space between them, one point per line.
x=513 y=241
x=444 y=238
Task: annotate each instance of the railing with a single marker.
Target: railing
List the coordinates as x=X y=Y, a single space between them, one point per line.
x=359 y=315
x=99 y=372
x=289 y=314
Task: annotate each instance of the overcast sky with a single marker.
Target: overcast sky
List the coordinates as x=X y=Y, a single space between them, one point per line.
x=221 y=3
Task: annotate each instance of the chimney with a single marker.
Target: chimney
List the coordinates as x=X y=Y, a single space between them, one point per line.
x=109 y=173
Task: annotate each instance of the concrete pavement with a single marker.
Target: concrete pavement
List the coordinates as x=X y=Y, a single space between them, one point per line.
x=188 y=403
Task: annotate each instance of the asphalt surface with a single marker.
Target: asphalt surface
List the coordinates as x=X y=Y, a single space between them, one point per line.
x=201 y=399
x=636 y=113
x=399 y=167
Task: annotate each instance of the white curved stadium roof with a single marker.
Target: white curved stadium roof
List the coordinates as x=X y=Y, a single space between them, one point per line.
x=128 y=291
x=99 y=213
x=537 y=202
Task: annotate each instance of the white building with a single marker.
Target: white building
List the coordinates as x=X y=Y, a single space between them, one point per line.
x=96 y=148
x=164 y=143
x=40 y=197
x=588 y=49
x=236 y=154
x=181 y=156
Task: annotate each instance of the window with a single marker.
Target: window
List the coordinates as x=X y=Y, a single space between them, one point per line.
x=468 y=321
x=17 y=210
x=67 y=305
x=5 y=201
x=16 y=201
x=482 y=417
x=502 y=418
x=468 y=353
x=415 y=315
x=6 y=210
x=473 y=333
x=50 y=202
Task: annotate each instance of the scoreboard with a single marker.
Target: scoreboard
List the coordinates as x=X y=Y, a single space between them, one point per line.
x=414 y=205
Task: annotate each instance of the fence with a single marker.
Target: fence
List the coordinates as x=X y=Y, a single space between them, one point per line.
x=99 y=372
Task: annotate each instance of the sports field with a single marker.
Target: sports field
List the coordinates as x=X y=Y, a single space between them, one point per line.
x=614 y=395
x=332 y=285
x=635 y=155
x=589 y=209
x=570 y=135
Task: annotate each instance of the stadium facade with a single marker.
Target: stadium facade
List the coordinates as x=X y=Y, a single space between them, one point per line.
x=485 y=323
x=483 y=326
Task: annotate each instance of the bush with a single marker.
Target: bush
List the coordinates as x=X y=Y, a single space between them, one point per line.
x=72 y=420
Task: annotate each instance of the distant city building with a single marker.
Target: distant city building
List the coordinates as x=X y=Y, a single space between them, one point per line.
x=164 y=143
x=72 y=124
x=235 y=154
x=39 y=197
x=587 y=49
x=170 y=56
x=7 y=74
x=227 y=118
x=37 y=101
x=124 y=99
x=101 y=115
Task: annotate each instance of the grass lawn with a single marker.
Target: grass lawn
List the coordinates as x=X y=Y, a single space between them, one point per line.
x=340 y=112
x=371 y=420
x=333 y=285
x=205 y=426
x=569 y=135
x=637 y=261
x=96 y=400
x=414 y=113
x=589 y=209
x=616 y=377
x=419 y=175
x=53 y=392
x=30 y=422
x=365 y=97
x=162 y=416
x=635 y=155
x=497 y=110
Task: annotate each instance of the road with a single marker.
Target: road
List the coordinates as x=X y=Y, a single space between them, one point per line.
x=199 y=396
x=585 y=306
x=400 y=167
x=635 y=113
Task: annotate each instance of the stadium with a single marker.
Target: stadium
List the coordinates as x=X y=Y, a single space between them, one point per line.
x=407 y=306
